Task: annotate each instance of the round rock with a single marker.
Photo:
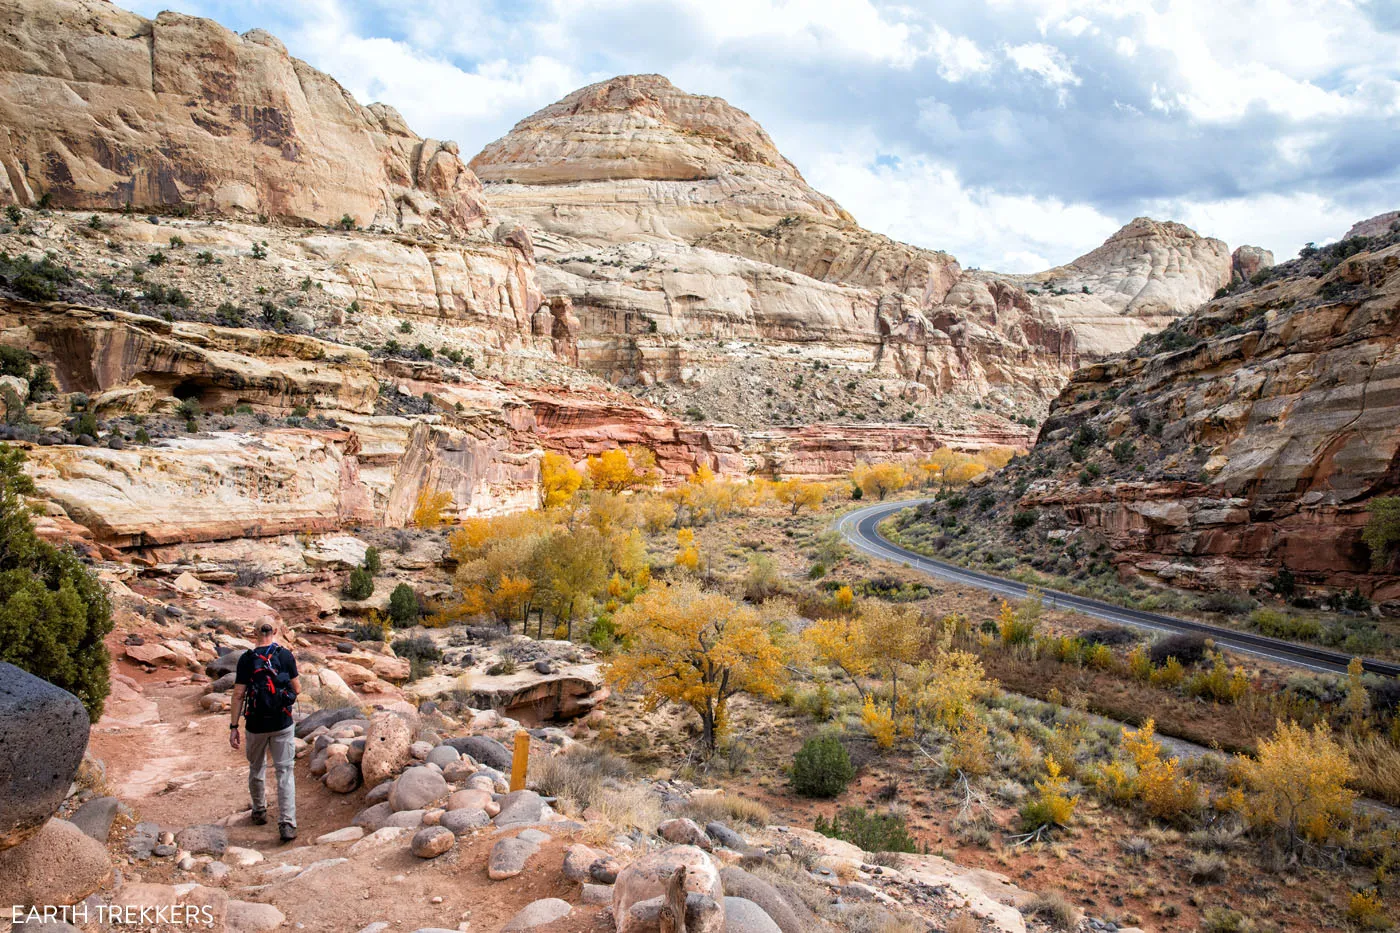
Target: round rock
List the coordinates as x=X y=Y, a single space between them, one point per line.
x=432 y=841
x=43 y=734
x=416 y=788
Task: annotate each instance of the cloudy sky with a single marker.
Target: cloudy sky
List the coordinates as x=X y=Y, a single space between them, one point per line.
x=1015 y=134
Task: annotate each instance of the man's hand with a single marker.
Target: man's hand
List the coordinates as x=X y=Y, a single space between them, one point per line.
x=235 y=738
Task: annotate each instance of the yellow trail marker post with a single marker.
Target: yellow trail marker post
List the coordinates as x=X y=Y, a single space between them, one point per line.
x=520 y=761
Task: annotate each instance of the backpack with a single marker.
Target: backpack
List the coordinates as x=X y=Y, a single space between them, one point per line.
x=269 y=694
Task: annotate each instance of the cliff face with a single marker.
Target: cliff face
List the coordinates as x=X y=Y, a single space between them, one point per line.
x=1254 y=434
x=103 y=109
x=686 y=241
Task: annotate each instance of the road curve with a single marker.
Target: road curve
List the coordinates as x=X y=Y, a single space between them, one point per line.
x=860 y=528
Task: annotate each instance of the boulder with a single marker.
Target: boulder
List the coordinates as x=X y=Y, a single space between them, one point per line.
x=226 y=664
x=151 y=654
x=386 y=748
x=484 y=749
x=406 y=819
x=379 y=793
x=597 y=894
x=443 y=755
x=470 y=799
x=744 y=916
x=684 y=832
x=325 y=717
x=378 y=839
x=141 y=841
x=95 y=817
x=459 y=771
x=537 y=914
x=43 y=735
x=203 y=839
x=344 y=778
x=521 y=806
x=374 y=817
x=416 y=788
x=645 y=880
x=577 y=860
x=60 y=864
x=432 y=841
x=464 y=821
x=753 y=889
x=508 y=858
x=725 y=836
x=703 y=914
x=420 y=750
x=252 y=917
x=348 y=834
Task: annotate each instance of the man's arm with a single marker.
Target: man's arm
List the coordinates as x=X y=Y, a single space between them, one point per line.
x=235 y=710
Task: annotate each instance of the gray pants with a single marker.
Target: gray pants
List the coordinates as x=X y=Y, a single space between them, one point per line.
x=281 y=747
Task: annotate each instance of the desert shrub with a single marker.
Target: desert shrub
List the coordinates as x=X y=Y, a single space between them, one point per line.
x=37 y=280
x=372 y=630
x=15 y=361
x=1219 y=683
x=372 y=563
x=1227 y=602
x=1225 y=920
x=1382 y=530
x=727 y=808
x=1206 y=868
x=1053 y=908
x=578 y=774
x=1052 y=806
x=602 y=634
x=822 y=767
x=359 y=585
x=421 y=653
x=1366 y=911
x=1297 y=785
x=403 y=606
x=1188 y=649
x=873 y=832
x=1023 y=519
x=1278 y=624
x=502 y=668
x=54 y=613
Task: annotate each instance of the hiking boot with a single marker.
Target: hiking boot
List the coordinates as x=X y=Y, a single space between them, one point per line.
x=287 y=831
x=258 y=817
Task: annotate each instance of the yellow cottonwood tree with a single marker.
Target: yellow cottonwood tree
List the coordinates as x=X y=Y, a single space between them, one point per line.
x=839 y=643
x=1298 y=783
x=618 y=470
x=558 y=480
x=881 y=479
x=683 y=645
x=799 y=494
x=427 y=511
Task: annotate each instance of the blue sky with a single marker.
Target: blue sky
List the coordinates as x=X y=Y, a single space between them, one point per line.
x=1016 y=134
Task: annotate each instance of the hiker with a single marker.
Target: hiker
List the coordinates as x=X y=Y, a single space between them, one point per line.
x=265 y=687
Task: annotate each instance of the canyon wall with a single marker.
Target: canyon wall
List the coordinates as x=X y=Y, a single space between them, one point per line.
x=1256 y=433
x=688 y=245
x=106 y=109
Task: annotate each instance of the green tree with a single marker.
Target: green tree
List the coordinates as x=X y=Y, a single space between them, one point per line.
x=360 y=584
x=822 y=768
x=403 y=606
x=1382 y=530
x=372 y=560
x=54 y=613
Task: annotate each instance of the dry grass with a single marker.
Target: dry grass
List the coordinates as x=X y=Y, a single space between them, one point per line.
x=624 y=808
x=1207 y=868
x=727 y=809
x=1054 y=909
x=1377 y=764
x=962 y=923
x=580 y=775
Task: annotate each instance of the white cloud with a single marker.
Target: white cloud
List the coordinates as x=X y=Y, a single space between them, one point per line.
x=1046 y=61
x=958 y=56
x=1278 y=222
x=925 y=203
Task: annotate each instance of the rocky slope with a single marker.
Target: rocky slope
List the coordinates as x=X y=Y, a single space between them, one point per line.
x=690 y=247
x=1249 y=437
x=104 y=109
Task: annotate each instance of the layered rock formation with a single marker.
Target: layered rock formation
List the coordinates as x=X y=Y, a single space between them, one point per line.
x=1249 y=438
x=105 y=109
x=685 y=241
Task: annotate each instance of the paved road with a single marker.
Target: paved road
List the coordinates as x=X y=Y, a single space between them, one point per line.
x=860 y=529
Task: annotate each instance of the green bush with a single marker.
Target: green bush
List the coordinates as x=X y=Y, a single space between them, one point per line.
x=403 y=606
x=15 y=361
x=822 y=768
x=420 y=652
x=873 y=832
x=54 y=613
x=359 y=585
x=1022 y=520
x=372 y=561
x=603 y=634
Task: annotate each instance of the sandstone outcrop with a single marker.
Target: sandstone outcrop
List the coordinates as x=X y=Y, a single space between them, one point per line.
x=1248 y=261
x=684 y=240
x=1249 y=438
x=104 y=109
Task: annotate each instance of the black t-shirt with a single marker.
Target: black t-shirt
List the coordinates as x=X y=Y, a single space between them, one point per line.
x=281 y=661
